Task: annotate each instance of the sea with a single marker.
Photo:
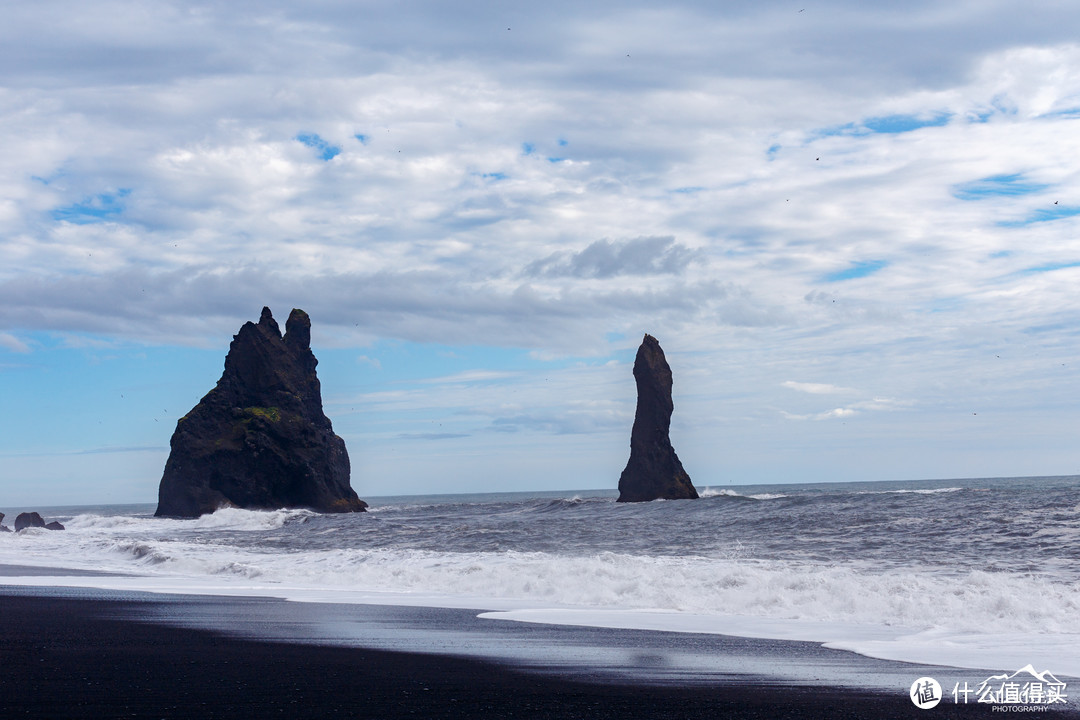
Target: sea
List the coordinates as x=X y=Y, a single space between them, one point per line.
x=971 y=573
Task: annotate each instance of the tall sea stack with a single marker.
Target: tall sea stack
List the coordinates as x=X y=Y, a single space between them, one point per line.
x=654 y=470
x=259 y=439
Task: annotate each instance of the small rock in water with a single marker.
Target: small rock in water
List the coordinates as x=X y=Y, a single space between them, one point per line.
x=54 y=525
x=28 y=519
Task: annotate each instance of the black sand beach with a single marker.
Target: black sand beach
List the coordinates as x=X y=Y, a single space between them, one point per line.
x=87 y=654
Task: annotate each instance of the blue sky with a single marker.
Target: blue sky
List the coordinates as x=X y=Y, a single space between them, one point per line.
x=852 y=228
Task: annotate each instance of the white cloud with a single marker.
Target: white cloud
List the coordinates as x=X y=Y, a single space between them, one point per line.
x=604 y=259
x=469 y=377
x=833 y=414
x=702 y=171
x=12 y=343
x=883 y=404
x=373 y=362
x=817 y=388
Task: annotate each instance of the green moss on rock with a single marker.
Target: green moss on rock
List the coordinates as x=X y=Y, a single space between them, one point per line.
x=272 y=414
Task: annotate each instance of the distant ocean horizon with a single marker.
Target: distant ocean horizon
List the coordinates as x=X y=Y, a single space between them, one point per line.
x=973 y=572
x=612 y=492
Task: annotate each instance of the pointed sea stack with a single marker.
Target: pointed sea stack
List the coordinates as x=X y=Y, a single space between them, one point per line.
x=654 y=470
x=259 y=440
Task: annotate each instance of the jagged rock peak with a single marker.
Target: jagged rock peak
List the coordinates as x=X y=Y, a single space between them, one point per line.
x=266 y=319
x=654 y=470
x=298 y=330
x=259 y=439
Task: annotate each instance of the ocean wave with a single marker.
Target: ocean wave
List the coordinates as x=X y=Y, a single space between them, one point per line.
x=724 y=492
x=970 y=602
x=962 y=601
x=237 y=519
x=942 y=572
x=570 y=503
x=974 y=605
x=106 y=522
x=223 y=519
x=931 y=491
x=143 y=553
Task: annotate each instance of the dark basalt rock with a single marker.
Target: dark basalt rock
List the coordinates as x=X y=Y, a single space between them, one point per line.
x=54 y=525
x=259 y=439
x=27 y=520
x=3 y=527
x=654 y=470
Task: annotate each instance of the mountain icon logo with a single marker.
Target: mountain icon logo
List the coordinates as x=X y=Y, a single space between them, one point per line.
x=1026 y=686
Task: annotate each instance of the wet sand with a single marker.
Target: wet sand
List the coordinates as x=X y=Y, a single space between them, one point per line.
x=90 y=654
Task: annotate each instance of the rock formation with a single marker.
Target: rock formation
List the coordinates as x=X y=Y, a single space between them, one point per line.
x=28 y=519
x=654 y=470
x=259 y=439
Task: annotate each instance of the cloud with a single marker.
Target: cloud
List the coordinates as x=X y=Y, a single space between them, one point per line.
x=876 y=404
x=469 y=377
x=862 y=195
x=433 y=306
x=883 y=404
x=373 y=362
x=834 y=414
x=817 y=388
x=605 y=259
x=559 y=423
x=12 y=343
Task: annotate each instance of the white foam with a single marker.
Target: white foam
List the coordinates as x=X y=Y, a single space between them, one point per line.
x=724 y=492
x=933 y=647
x=932 y=491
x=223 y=519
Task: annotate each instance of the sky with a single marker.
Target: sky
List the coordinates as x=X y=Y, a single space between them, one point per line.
x=852 y=227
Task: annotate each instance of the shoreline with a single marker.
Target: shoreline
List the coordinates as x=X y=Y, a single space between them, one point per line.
x=9 y=570
x=87 y=653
